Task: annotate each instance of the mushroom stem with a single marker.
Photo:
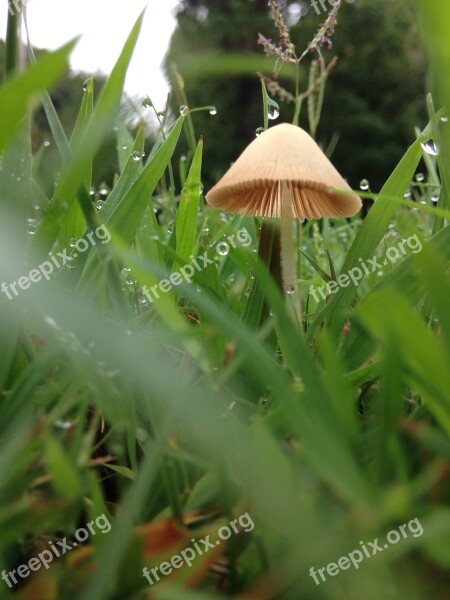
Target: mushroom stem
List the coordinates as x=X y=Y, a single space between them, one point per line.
x=288 y=268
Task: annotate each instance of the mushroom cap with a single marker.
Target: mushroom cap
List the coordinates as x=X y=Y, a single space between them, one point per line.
x=284 y=153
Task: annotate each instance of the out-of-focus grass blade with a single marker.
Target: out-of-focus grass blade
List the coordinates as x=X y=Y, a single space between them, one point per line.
x=229 y=64
x=20 y=92
x=186 y=220
x=312 y=418
x=65 y=477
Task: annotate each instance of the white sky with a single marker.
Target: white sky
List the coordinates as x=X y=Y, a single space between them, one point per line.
x=104 y=26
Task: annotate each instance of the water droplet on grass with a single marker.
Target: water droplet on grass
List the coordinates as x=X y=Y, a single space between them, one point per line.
x=31 y=226
x=273 y=113
x=420 y=177
x=136 y=156
x=290 y=289
x=259 y=131
x=213 y=111
x=184 y=110
x=223 y=248
x=430 y=147
x=364 y=185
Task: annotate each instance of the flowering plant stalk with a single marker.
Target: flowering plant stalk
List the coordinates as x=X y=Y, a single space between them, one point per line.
x=286 y=52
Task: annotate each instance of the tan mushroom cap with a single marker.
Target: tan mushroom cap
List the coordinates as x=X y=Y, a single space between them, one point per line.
x=284 y=154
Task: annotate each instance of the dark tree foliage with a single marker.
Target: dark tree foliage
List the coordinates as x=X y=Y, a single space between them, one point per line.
x=374 y=97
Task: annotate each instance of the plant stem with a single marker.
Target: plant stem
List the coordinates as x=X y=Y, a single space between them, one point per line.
x=298 y=102
x=13 y=40
x=288 y=269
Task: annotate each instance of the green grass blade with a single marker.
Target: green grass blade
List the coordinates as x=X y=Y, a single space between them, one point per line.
x=186 y=221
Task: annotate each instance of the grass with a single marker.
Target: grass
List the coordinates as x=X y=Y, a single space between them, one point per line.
x=182 y=413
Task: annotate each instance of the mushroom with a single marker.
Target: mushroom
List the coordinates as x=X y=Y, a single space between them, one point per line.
x=284 y=174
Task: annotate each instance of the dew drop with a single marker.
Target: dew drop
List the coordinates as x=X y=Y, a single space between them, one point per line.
x=364 y=185
x=259 y=131
x=73 y=242
x=85 y=85
x=136 y=156
x=184 y=110
x=223 y=248
x=31 y=226
x=290 y=290
x=47 y=143
x=420 y=177
x=274 y=113
x=434 y=199
x=430 y=147
x=213 y=111
x=444 y=119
